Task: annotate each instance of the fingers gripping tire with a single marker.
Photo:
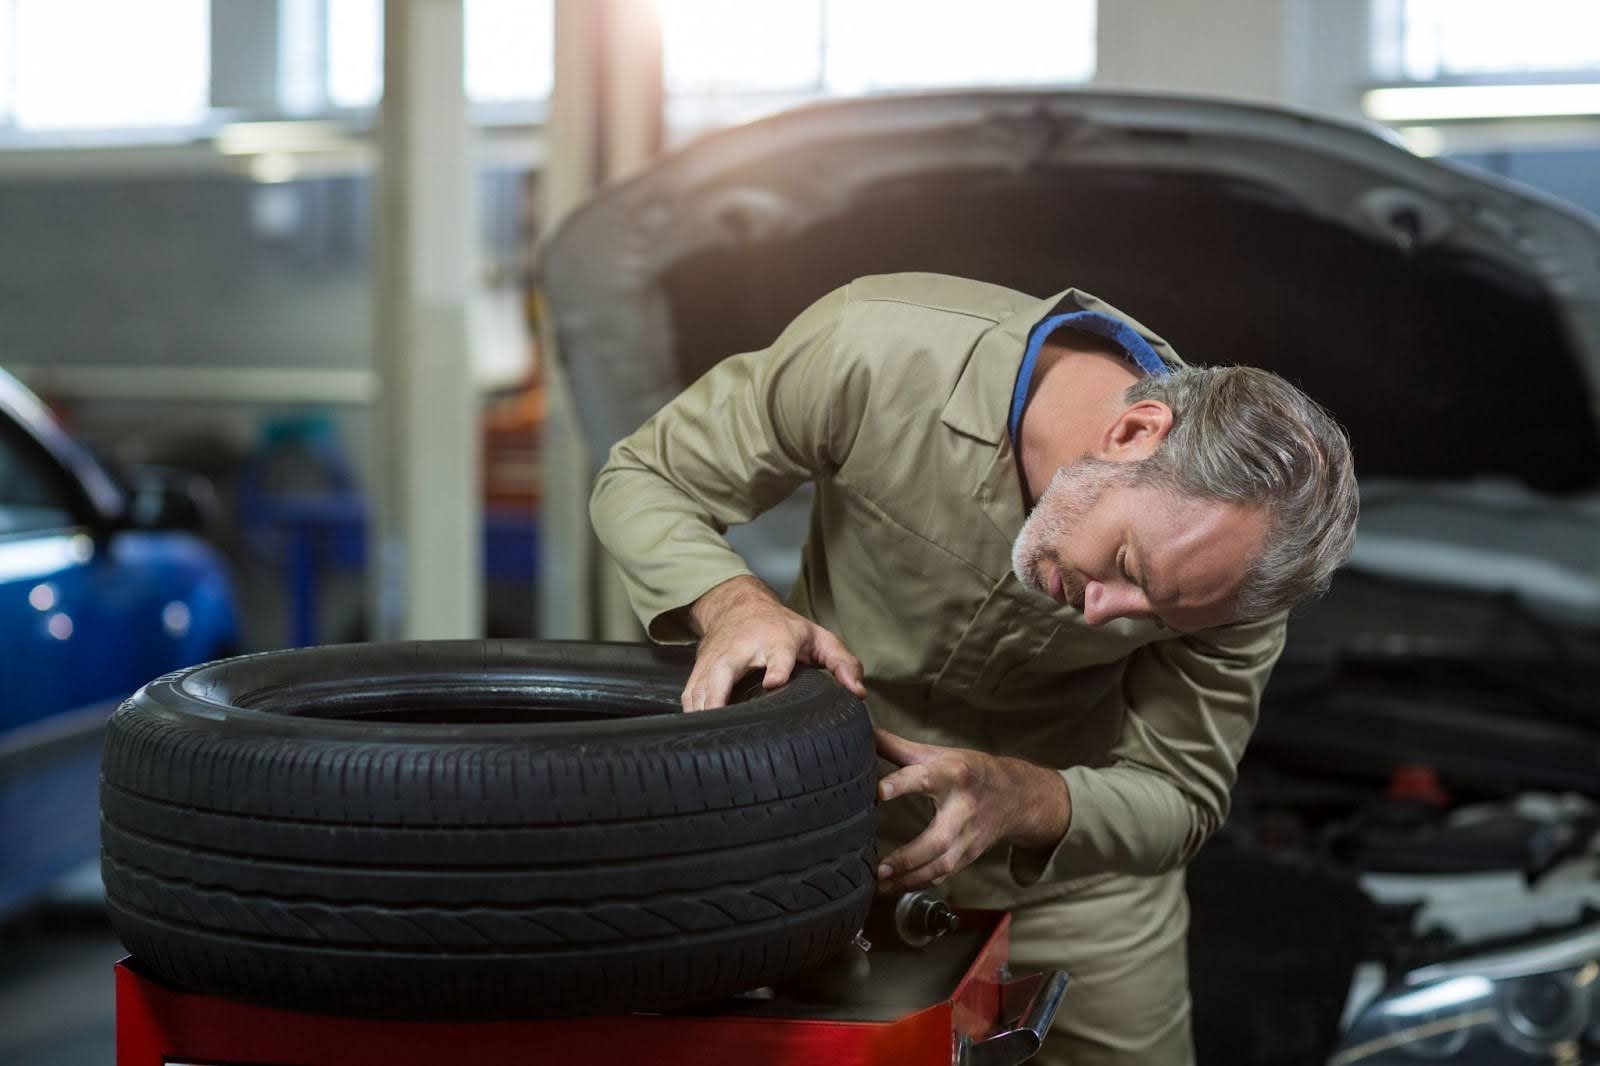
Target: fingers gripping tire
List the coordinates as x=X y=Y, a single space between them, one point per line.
x=482 y=829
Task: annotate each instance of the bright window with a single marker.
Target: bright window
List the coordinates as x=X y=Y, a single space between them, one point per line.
x=735 y=46
x=355 y=52
x=104 y=64
x=510 y=50
x=1429 y=40
x=927 y=44
x=845 y=47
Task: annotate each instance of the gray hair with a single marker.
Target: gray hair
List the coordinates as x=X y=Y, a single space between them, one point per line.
x=1244 y=435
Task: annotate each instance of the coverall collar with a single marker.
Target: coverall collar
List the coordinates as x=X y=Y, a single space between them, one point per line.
x=979 y=404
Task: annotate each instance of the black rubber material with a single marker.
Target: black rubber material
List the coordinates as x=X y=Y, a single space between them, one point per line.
x=469 y=829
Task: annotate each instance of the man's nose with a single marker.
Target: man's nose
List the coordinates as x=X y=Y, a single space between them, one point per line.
x=1096 y=603
x=1101 y=604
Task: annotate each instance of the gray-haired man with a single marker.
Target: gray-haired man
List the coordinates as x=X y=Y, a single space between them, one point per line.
x=1053 y=559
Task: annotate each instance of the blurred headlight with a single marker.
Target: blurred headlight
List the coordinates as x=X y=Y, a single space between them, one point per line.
x=1535 y=1003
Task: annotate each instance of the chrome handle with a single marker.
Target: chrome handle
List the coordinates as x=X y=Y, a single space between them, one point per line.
x=1029 y=1004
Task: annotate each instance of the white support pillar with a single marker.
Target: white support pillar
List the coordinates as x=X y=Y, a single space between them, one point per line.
x=635 y=117
x=571 y=171
x=634 y=90
x=1304 y=53
x=605 y=121
x=427 y=532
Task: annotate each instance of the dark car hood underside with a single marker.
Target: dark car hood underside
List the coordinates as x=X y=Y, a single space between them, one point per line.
x=1447 y=319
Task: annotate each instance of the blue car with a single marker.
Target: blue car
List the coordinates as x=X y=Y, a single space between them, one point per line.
x=103 y=586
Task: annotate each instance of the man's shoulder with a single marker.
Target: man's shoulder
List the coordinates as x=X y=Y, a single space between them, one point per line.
x=916 y=332
x=937 y=295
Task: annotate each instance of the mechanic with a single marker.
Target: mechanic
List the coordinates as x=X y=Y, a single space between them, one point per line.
x=1053 y=559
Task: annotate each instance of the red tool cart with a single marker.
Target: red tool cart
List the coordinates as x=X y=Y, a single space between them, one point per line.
x=952 y=1001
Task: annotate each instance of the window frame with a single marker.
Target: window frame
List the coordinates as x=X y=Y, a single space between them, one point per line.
x=358 y=119
x=690 y=111
x=28 y=451
x=1393 y=72
x=93 y=498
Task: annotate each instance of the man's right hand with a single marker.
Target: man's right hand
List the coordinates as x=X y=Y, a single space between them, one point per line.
x=742 y=627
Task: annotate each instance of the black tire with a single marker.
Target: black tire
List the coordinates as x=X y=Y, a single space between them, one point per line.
x=482 y=829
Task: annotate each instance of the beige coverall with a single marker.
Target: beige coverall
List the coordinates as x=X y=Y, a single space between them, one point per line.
x=892 y=395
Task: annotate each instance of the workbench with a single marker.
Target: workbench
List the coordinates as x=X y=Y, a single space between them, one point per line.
x=951 y=1002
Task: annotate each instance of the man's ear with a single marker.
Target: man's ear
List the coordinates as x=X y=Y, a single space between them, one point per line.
x=1136 y=432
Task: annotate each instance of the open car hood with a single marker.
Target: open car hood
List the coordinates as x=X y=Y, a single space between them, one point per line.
x=1449 y=319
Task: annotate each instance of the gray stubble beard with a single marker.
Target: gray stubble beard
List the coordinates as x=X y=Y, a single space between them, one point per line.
x=1072 y=492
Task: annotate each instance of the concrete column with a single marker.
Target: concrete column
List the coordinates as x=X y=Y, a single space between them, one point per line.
x=1304 y=53
x=1336 y=40
x=606 y=118
x=571 y=171
x=428 y=522
x=606 y=110
x=635 y=116
x=634 y=94
x=572 y=131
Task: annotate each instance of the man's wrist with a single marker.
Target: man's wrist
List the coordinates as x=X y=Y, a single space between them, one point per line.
x=720 y=599
x=1045 y=810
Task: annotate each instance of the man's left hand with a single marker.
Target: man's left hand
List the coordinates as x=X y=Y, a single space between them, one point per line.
x=982 y=800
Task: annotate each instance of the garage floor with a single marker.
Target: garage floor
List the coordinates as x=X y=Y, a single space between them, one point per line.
x=56 y=1002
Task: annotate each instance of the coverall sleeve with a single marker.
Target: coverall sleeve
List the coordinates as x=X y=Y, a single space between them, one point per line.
x=736 y=442
x=1191 y=705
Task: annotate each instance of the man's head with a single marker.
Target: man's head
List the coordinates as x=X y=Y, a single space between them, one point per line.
x=1216 y=494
